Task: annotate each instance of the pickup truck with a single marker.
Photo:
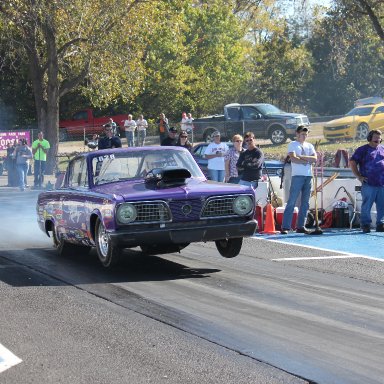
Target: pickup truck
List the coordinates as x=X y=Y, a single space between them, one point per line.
x=85 y=122
x=265 y=120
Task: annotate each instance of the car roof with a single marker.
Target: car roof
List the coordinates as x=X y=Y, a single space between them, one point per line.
x=369 y=105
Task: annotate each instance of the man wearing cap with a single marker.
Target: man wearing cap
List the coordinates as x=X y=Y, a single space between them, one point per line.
x=171 y=140
x=215 y=153
x=302 y=155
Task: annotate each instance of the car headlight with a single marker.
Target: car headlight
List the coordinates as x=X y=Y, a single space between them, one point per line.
x=126 y=213
x=291 y=121
x=242 y=205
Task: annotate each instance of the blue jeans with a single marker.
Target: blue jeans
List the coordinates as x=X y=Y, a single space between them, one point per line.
x=370 y=195
x=141 y=135
x=22 y=170
x=39 y=169
x=298 y=184
x=252 y=184
x=130 y=138
x=217 y=174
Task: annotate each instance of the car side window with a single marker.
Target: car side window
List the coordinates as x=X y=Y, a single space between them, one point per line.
x=81 y=115
x=380 y=109
x=249 y=113
x=233 y=114
x=78 y=174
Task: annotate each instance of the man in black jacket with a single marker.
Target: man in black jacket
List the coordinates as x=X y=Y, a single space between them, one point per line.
x=109 y=141
x=250 y=162
x=171 y=140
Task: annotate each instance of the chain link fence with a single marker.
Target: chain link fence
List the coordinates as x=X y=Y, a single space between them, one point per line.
x=74 y=140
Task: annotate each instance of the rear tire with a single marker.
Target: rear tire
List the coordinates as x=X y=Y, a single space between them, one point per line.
x=208 y=135
x=277 y=135
x=63 y=135
x=229 y=247
x=108 y=254
x=66 y=249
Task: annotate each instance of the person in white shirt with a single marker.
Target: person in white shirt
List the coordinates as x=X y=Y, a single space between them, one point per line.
x=142 y=126
x=183 y=122
x=215 y=153
x=189 y=124
x=130 y=128
x=302 y=155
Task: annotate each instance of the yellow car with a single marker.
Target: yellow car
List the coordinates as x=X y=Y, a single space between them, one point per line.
x=356 y=123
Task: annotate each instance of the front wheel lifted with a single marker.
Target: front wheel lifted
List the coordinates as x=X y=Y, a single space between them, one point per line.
x=229 y=247
x=107 y=253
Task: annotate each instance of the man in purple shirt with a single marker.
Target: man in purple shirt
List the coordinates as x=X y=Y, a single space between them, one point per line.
x=367 y=164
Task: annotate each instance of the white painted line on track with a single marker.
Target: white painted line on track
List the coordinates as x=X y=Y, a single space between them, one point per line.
x=7 y=359
x=318 y=257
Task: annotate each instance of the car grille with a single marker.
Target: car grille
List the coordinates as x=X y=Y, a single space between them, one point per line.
x=185 y=210
x=337 y=128
x=150 y=212
x=219 y=206
x=302 y=120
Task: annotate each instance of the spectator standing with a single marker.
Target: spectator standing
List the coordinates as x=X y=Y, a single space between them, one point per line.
x=142 y=126
x=171 y=139
x=367 y=164
x=162 y=124
x=183 y=141
x=183 y=122
x=109 y=140
x=250 y=162
x=11 y=164
x=113 y=125
x=130 y=128
x=23 y=154
x=40 y=148
x=215 y=153
x=189 y=124
x=302 y=155
x=231 y=158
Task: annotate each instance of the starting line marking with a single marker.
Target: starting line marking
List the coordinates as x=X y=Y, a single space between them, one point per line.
x=7 y=359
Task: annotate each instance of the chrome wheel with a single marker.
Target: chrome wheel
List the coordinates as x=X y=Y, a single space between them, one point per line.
x=107 y=253
x=278 y=135
x=362 y=131
x=103 y=240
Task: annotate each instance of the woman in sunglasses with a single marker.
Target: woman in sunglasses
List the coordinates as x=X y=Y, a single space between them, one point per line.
x=183 y=141
x=231 y=158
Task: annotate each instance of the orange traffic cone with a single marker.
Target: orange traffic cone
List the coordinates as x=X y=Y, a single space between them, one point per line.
x=269 y=226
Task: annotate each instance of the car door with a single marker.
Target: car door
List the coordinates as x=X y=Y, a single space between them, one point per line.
x=377 y=118
x=233 y=122
x=254 y=121
x=74 y=202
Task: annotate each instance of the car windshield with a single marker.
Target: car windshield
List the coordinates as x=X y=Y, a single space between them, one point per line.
x=268 y=109
x=121 y=166
x=364 y=111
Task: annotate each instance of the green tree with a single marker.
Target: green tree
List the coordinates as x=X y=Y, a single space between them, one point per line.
x=194 y=59
x=96 y=45
x=349 y=60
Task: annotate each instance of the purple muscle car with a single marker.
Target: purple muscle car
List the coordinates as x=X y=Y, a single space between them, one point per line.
x=156 y=198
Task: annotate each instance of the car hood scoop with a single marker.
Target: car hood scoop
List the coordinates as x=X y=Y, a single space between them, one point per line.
x=167 y=177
